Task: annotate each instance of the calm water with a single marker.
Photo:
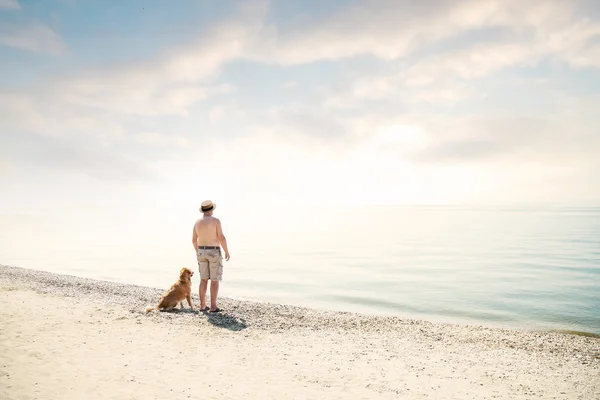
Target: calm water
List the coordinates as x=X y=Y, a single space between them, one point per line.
x=522 y=268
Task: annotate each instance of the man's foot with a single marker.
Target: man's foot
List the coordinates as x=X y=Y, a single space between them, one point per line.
x=204 y=309
x=215 y=310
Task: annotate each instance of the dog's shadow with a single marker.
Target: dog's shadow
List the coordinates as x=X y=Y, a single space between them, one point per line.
x=181 y=311
x=226 y=321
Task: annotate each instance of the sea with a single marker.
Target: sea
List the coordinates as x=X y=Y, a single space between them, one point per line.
x=533 y=268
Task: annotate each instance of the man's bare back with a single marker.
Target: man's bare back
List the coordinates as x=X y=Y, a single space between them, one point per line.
x=208 y=232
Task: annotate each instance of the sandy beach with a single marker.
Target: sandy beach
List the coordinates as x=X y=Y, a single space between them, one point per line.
x=64 y=337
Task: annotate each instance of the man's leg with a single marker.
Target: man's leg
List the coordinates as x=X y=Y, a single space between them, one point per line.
x=203 y=267
x=216 y=274
x=214 y=291
x=203 y=288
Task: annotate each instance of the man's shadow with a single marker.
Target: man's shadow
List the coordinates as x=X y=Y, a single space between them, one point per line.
x=226 y=321
x=221 y=319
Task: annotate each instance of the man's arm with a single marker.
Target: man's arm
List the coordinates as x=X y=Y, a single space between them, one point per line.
x=195 y=239
x=222 y=239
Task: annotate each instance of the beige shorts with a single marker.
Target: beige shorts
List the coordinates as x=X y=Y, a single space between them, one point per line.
x=210 y=264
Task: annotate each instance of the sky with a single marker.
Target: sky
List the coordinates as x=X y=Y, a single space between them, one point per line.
x=150 y=107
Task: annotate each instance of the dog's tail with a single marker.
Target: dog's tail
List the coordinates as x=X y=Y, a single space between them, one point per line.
x=150 y=308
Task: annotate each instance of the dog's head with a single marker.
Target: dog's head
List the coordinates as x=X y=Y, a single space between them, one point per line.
x=186 y=274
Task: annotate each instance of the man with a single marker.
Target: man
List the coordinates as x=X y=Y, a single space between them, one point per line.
x=208 y=238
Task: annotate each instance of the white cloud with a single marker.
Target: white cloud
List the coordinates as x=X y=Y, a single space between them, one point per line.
x=73 y=157
x=9 y=5
x=516 y=138
x=91 y=117
x=292 y=153
x=578 y=44
x=132 y=97
x=393 y=29
x=36 y=38
x=477 y=61
x=411 y=85
x=216 y=114
x=307 y=122
x=533 y=31
x=160 y=139
x=42 y=113
x=174 y=81
x=446 y=92
x=271 y=165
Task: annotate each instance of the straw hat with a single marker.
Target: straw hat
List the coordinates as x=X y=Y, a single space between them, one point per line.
x=207 y=206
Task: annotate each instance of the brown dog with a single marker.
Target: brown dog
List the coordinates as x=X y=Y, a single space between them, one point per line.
x=179 y=291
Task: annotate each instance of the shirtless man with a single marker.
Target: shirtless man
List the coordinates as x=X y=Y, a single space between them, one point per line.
x=207 y=239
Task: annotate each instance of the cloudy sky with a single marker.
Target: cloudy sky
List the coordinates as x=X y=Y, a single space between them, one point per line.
x=161 y=104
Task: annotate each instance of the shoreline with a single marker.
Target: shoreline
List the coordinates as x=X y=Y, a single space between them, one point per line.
x=67 y=337
x=40 y=279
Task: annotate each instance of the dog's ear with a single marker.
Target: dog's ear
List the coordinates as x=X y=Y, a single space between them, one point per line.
x=182 y=271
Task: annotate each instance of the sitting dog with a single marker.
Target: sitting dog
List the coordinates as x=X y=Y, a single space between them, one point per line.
x=180 y=290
